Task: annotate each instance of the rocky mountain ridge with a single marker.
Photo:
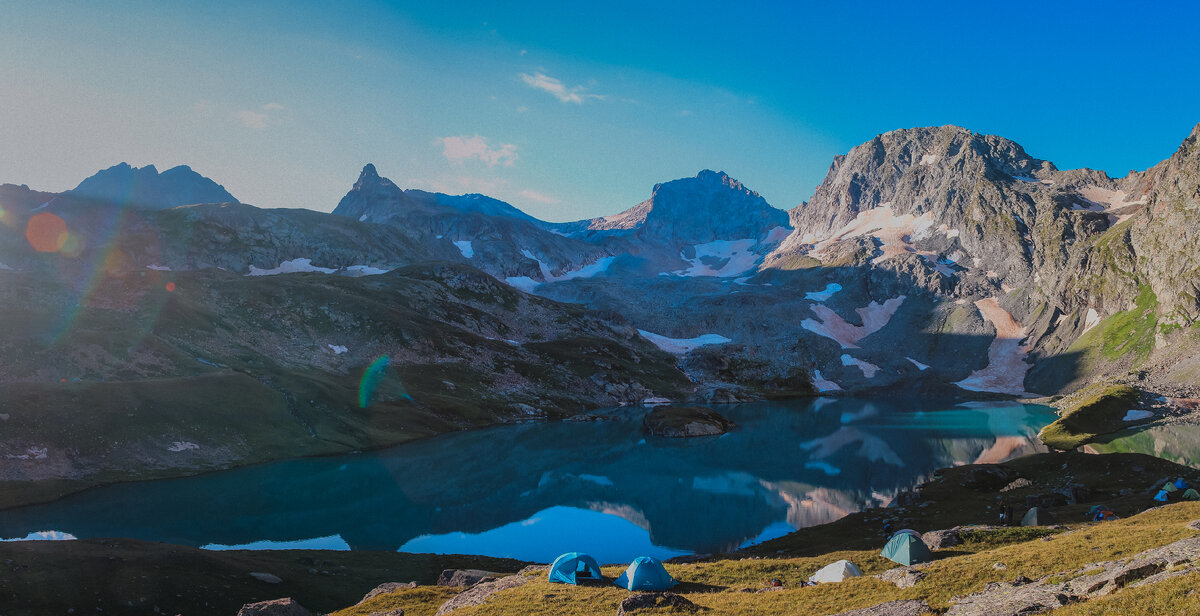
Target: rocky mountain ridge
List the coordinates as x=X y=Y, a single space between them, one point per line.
x=147 y=188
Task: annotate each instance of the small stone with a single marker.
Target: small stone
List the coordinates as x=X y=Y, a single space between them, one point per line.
x=999 y=566
x=269 y=578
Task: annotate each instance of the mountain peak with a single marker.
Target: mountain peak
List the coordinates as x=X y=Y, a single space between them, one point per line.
x=147 y=188
x=368 y=173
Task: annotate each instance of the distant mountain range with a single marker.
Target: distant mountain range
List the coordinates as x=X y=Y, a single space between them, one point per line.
x=930 y=260
x=146 y=187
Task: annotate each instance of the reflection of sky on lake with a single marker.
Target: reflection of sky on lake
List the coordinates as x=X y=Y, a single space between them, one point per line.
x=533 y=491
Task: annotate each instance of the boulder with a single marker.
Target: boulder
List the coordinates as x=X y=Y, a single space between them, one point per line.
x=906 y=607
x=988 y=478
x=902 y=577
x=685 y=421
x=269 y=578
x=385 y=588
x=276 y=607
x=466 y=577
x=480 y=593
x=938 y=539
x=655 y=601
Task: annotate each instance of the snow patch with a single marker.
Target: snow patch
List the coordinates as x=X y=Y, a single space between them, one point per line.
x=823 y=385
x=464 y=246
x=874 y=317
x=291 y=267
x=337 y=348
x=364 y=270
x=31 y=453
x=158 y=268
x=680 y=346
x=920 y=366
x=656 y=401
x=929 y=159
x=1006 y=368
x=179 y=446
x=825 y=294
x=1137 y=415
x=527 y=284
x=734 y=256
x=1091 y=320
x=895 y=233
x=776 y=235
x=868 y=369
x=362 y=218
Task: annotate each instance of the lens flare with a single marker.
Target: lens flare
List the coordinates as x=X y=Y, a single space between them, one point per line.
x=372 y=379
x=46 y=232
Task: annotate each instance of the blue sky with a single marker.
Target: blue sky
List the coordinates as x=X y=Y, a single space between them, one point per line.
x=569 y=110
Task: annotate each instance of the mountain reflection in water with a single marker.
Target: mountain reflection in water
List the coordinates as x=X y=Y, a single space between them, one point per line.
x=535 y=490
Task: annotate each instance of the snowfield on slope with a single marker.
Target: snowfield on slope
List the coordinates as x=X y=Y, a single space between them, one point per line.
x=527 y=284
x=680 y=346
x=734 y=256
x=874 y=317
x=1006 y=368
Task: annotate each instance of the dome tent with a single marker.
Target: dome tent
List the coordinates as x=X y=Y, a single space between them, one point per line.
x=572 y=567
x=905 y=547
x=1191 y=494
x=835 y=572
x=1038 y=516
x=646 y=573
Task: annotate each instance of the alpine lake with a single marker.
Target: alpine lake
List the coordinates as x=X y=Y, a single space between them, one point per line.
x=533 y=491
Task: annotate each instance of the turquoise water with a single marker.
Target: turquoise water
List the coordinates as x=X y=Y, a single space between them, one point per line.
x=533 y=491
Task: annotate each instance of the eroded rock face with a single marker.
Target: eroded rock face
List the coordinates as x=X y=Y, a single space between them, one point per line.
x=276 y=607
x=685 y=421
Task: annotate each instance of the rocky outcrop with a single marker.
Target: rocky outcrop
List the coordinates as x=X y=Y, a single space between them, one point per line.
x=385 y=588
x=466 y=577
x=685 y=421
x=275 y=607
x=903 y=577
x=1023 y=596
x=906 y=607
x=480 y=593
x=652 y=602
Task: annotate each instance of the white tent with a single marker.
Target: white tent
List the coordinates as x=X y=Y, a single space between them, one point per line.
x=835 y=572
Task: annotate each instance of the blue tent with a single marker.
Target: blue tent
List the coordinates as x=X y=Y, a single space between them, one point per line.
x=574 y=566
x=646 y=573
x=906 y=548
x=1161 y=496
x=1181 y=484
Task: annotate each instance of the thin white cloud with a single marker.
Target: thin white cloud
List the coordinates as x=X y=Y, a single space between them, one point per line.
x=556 y=88
x=251 y=119
x=537 y=196
x=258 y=119
x=459 y=149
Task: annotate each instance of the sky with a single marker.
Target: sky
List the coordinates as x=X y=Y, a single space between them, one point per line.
x=573 y=110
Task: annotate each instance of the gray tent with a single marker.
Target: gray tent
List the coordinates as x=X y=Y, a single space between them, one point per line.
x=1037 y=516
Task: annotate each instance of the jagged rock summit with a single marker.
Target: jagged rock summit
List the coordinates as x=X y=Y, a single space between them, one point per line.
x=375 y=198
x=711 y=206
x=145 y=187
